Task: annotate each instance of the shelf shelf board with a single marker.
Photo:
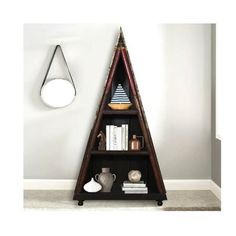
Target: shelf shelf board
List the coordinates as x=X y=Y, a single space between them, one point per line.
x=119 y=196
x=126 y=153
x=122 y=112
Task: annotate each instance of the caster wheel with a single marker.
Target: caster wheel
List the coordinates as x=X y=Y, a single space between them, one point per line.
x=159 y=203
x=80 y=203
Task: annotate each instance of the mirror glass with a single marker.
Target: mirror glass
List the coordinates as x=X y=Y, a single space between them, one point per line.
x=58 y=93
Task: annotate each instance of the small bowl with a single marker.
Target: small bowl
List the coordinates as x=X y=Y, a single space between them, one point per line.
x=120 y=106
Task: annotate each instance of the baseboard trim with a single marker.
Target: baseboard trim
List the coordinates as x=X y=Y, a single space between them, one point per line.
x=187 y=184
x=216 y=189
x=170 y=184
x=49 y=184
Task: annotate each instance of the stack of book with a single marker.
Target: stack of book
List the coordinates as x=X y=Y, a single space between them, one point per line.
x=134 y=188
x=117 y=137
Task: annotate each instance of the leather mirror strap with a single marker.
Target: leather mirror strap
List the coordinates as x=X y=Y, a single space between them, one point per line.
x=50 y=63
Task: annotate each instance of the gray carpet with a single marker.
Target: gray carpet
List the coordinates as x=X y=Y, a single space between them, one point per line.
x=203 y=200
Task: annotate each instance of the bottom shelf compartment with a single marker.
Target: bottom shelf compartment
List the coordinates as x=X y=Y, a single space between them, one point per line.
x=120 y=166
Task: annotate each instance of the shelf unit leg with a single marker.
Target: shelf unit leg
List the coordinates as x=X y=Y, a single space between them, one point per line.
x=80 y=202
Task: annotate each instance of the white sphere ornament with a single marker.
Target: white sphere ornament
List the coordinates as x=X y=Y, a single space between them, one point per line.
x=57 y=93
x=134 y=176
x=92 y=186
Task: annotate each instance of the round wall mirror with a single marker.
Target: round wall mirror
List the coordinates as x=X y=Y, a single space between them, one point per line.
x=58 y=93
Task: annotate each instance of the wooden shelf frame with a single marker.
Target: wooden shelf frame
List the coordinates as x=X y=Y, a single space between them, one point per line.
x=121 y=71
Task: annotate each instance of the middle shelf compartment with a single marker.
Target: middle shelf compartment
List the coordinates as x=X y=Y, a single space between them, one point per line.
x=118 y=131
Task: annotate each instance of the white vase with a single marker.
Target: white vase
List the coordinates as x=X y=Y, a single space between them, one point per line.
x=92 y=186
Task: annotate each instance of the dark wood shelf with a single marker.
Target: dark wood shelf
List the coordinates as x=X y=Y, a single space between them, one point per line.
x=119 y=196
x=126 y=153
x=120 y=112
x=120 y=162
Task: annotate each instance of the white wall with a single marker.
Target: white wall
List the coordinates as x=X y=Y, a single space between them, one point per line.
x=172 y=62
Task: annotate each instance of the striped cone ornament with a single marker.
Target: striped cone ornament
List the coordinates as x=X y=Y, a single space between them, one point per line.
x=120 y=96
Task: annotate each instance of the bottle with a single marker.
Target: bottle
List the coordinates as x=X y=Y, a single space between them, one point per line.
x=135 y=144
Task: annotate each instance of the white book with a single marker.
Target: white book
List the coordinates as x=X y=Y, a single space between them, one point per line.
x=119 y=138
x=123 y=137
x=107 y=137
x=127 y=183
x=135 y=189
x=126 y=137
x=114 y=138
x=111 y=138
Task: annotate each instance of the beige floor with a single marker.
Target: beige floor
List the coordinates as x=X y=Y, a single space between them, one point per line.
x=203 y=200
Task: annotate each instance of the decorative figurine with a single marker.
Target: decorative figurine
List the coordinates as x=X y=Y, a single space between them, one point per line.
x=102 y=142
x=134 y=176
x=120 y=100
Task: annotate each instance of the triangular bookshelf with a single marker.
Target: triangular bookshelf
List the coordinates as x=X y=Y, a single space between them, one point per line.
x=121 y=162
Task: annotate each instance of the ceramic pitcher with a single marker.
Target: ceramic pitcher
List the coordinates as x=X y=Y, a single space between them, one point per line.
x=106 y=179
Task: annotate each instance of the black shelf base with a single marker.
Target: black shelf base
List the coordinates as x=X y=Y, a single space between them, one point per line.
x=119 y=196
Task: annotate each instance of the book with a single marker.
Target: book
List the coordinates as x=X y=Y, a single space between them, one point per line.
x=126 y=137
x=107 y=137
x=112 y=138
x=134 y=188
x=123 y=137
x=127 y=183
x=117 y=137
x=136 y=191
